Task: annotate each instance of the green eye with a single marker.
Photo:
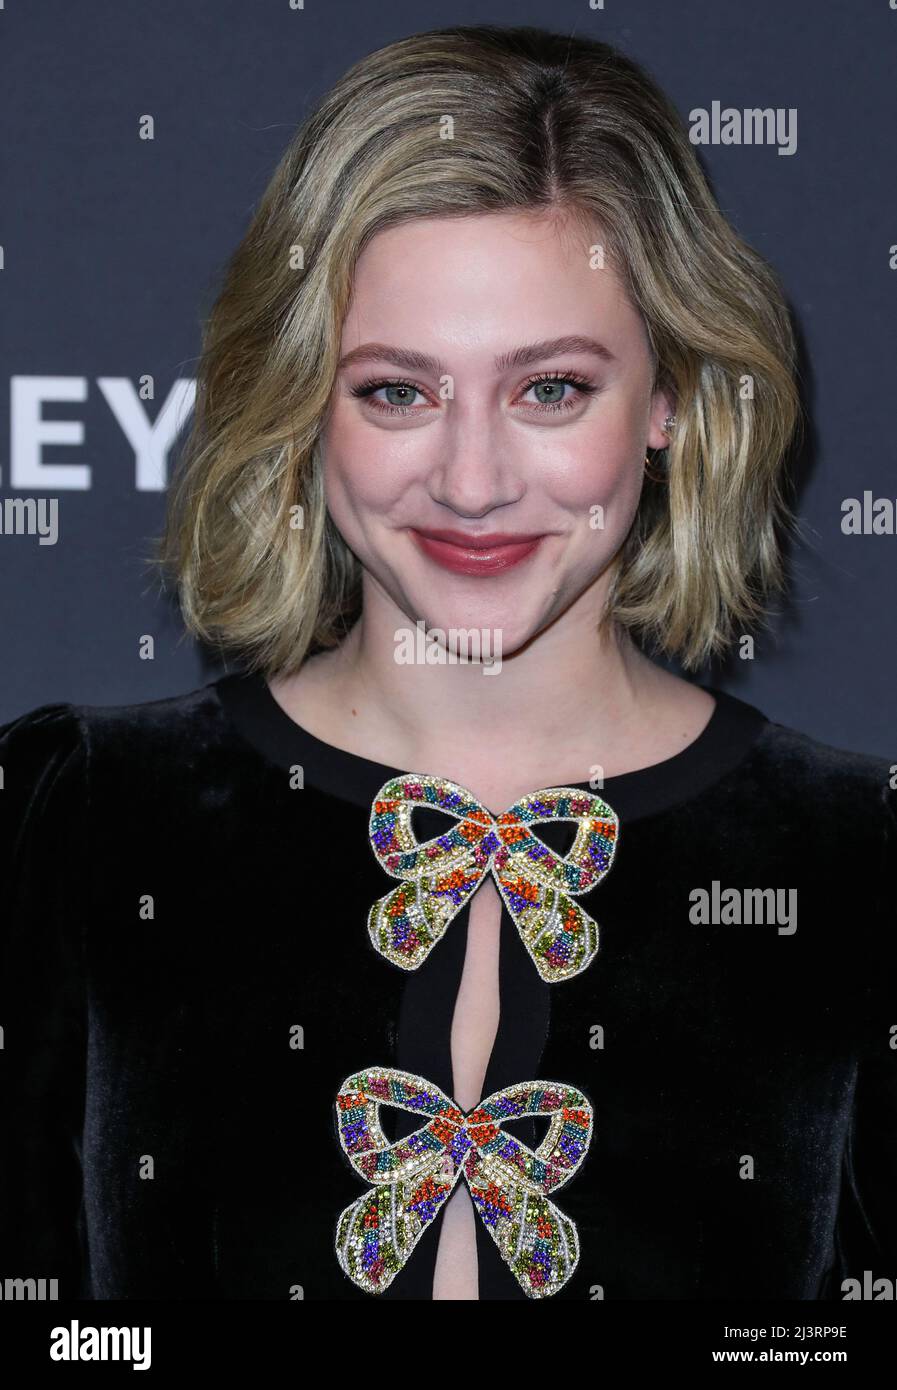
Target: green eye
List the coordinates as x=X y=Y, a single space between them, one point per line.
x=551 y=391
x=400 y=395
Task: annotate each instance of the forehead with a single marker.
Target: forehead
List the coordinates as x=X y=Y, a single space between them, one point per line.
x=488 y=281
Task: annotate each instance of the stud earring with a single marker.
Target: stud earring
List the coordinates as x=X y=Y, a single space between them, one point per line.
x=660 y=477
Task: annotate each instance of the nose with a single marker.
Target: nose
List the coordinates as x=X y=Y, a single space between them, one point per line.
x=477 y=469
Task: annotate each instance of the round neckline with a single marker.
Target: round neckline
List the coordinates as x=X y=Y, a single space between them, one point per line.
x=725 y=740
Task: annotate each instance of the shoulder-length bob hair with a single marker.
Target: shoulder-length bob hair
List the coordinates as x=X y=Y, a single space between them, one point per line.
x=456 y=122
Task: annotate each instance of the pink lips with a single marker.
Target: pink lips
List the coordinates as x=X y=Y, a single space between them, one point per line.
x=490 y=553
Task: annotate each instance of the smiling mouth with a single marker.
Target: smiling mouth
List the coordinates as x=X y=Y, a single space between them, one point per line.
x=488 y=554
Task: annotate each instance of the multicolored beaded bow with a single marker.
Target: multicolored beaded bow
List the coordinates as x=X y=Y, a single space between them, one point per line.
x=441 y=874
x=415 y=1176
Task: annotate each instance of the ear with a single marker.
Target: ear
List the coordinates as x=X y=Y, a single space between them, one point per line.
x=662 y=405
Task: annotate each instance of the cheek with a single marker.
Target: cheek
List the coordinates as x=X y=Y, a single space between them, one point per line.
x=601 y=469
x=370 y=472
x=365 y=470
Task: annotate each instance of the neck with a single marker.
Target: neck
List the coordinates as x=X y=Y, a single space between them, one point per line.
x=576 y=696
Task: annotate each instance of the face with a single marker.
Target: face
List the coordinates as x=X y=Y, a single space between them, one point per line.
x=485 y=442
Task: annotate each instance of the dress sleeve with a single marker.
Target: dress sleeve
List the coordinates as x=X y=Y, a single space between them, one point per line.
x=867 y=1221
x=43 y=865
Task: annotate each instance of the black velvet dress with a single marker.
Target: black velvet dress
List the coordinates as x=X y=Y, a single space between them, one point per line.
x=224 y=1076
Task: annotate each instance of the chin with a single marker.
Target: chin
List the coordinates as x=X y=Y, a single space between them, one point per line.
x=496 y=629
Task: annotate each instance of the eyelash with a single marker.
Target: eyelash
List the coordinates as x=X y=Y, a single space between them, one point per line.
x=583 y=386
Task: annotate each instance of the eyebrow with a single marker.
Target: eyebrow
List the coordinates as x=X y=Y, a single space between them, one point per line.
x=519 y=357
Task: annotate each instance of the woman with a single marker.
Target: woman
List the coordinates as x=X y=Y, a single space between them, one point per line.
x=450 y=878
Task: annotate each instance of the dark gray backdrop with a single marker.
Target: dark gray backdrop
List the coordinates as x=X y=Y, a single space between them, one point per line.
x=112 y=245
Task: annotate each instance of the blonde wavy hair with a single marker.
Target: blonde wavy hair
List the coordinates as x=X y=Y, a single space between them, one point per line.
x=541 y=123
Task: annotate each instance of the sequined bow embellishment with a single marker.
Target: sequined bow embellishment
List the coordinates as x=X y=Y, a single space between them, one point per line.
x=537 y=885
x=413 y=1178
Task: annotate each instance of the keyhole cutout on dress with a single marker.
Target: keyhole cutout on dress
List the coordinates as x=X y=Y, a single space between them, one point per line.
x=474 y=1028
